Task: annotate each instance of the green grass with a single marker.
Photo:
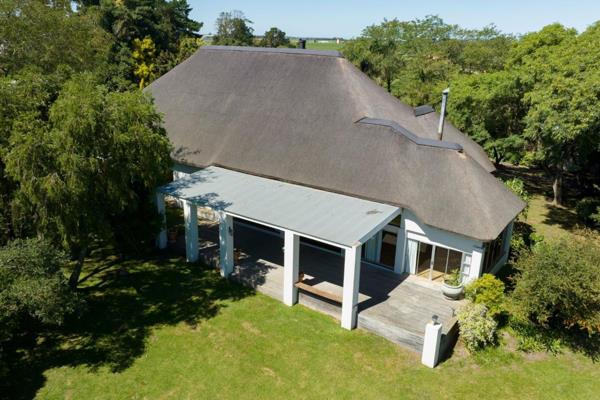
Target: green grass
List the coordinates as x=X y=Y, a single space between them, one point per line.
x=550 y=220
x=324 y=46
x=167 y=330
x=312 y=45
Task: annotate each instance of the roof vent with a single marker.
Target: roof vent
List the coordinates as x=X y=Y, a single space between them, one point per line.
x=301 y=43
x=422 y=110
x=443 y=113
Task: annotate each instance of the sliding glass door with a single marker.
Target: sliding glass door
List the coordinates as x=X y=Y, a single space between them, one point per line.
x=432 y=262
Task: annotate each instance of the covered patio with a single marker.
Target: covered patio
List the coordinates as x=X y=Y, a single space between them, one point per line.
x=396 y=307
x=283 y=235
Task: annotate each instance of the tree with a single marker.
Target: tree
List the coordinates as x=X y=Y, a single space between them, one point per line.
x=562 y=121
x=489 y=107
x=275 y=37
x=233 y=29
x=164 y=23
x=32 y=283
x=46 y=35
x=98 y=157
x=415 y=60
x=558 y=286
x=30 y=91
x=33 y=289
x=380 y=44
x=144 y=55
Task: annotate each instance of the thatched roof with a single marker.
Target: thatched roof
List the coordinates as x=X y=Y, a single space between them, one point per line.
x=312 y=118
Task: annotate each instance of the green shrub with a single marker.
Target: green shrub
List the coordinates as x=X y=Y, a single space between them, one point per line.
x=489 y=291
x=453 y=278
x=32 y=285
x=588 y=211
x=524 y=237
x=531 y=338
x=517 y=186
x=476 y=327
x=558 y=285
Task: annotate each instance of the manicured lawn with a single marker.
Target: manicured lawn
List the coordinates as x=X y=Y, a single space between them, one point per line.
x=166 y=330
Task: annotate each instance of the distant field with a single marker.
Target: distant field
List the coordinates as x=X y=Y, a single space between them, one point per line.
x=324 y=46
x=311 y=44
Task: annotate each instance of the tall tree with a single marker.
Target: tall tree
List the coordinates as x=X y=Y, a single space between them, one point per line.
x=415 y=60
x=275 y=37
x=563 y=120
x=233 y=29
x=165 y=23
x=98 y=157
x=489 y=108
x=46 y=35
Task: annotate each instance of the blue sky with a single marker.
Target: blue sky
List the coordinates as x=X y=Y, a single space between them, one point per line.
x=328 y=18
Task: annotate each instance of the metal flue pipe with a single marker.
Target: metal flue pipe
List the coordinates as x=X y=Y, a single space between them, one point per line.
x=443 y=113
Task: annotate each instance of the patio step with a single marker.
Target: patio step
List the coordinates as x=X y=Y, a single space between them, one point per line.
x=393 y=333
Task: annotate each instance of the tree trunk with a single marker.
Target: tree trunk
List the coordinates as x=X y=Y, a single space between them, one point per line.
x=74 y=278
x=557 y=187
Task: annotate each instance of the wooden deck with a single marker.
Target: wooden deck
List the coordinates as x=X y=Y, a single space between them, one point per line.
x=395 y=307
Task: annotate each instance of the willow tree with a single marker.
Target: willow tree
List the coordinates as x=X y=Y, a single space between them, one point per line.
x=95 y=161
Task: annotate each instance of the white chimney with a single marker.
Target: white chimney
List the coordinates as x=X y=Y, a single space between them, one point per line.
x=443 y=113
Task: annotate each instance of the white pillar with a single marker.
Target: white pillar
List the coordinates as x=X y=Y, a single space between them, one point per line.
x=476 y=263
x=225 y=244
x=351 y=284
x=161 y=238
x=431 y=344
x=291 y=256
x=190 y=216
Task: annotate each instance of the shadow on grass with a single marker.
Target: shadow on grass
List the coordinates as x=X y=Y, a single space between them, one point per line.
x=563 y=217
x=124 y=302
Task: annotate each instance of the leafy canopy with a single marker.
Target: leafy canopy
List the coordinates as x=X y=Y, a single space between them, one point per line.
x=46 y=35
x=274 y=37
x=233 y=29
x=559 y=285
x=98 y=156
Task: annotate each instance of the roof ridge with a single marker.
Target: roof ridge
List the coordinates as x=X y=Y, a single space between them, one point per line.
x=280 y=50
x=397 y=128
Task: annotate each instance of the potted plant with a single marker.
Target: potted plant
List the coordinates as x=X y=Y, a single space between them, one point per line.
x=452 y=287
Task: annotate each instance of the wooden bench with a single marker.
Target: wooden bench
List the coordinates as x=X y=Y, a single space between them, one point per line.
x=301 y=284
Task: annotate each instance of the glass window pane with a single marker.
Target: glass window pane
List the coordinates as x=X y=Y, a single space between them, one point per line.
x=424 y=259
x=388 y=249
x=454 y=260
x=439 y=263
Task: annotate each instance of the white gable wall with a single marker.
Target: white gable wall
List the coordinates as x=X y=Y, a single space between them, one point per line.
x=416 y=230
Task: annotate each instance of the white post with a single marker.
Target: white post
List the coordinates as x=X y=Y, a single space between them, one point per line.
x=190 y=215
x=476 y=263
x=291 y=256
x=351 y=284
x=225 y=244
x=431 y=344
x=161 y=238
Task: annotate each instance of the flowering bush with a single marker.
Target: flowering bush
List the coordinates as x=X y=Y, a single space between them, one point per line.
x=476 y=327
